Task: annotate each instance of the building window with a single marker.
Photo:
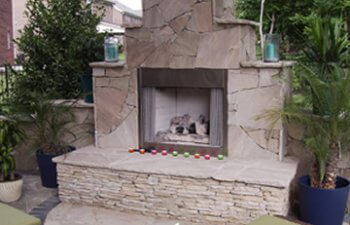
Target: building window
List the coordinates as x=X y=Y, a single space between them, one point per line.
x=8 y=40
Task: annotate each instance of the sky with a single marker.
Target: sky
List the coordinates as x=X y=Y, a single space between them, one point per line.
x=134 y=4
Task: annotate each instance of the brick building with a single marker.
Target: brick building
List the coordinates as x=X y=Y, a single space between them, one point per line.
x=6 y=32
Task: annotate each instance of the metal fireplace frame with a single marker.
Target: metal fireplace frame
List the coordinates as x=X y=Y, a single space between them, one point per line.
x=183 y=78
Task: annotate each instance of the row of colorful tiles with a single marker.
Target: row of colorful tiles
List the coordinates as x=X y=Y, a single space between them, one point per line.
x=173 y=153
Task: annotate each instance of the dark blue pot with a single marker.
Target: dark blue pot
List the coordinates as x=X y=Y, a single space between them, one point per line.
x=321 y=206
x=48 y=171
x=86 y=81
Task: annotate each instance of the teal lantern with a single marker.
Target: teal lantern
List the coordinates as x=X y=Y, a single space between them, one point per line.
x=272 y=48
x=111 y=49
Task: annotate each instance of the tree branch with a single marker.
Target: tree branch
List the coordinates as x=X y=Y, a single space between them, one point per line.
x=272 y=26
x=261 y=25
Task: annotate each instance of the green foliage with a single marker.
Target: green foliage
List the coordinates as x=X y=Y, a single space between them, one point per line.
x=328 y=44
x=332 y=101
x=323 y=97
x=327 y=50
x=51 y=122
x=325 y=8
x=58 y=42
x=330 y=123
x=283 y=11
x=291 y=17
x=10 y=136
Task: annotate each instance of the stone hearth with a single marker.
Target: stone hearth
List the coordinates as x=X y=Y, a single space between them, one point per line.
x=256 y=176
x=229 y=191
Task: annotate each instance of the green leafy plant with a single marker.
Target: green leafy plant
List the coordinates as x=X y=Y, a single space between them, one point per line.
x=51 y=121
x=291 y=17
x=323 y=105
x=327 y=130
x=10 y=136
x=58 y=43
x=327 y=45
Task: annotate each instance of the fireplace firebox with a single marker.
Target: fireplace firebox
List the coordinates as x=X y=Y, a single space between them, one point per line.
x=183 y=110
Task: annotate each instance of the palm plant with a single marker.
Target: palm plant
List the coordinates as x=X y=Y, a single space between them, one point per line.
x=323 y=104
x=51 y=123
x=327 y=45
x=10 y=136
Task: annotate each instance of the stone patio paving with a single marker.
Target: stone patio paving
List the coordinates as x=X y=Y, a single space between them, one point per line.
x=71 y=214
x=36 y=200
x=33 y=194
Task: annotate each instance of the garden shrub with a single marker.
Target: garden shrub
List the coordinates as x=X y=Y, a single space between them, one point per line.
x=291 y=17
x=58 y=42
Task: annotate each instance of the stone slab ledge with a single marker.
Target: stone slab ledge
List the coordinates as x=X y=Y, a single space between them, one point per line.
x=107 y=64
x=75 y=103
x=235 y=21
x=263 y=172
x=262 y=64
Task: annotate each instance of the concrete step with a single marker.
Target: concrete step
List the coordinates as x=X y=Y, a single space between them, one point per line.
x=75 y=214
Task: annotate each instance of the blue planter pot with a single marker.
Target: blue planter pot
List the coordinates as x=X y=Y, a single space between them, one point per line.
x=86 y=81
x=321 y=206
x=48 y=171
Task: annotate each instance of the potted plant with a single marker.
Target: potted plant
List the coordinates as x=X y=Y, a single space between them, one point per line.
x=51 y=122
x=10 y=182
x=322 y=104
x=86 y=84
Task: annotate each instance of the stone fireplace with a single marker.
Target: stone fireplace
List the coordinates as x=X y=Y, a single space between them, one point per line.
x=177 y=51
x=191 y=82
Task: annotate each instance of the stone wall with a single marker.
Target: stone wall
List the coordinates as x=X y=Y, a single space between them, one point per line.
x=177 y=197
x=116 y=114
x=252 y=90
x=116 y=110
x=182 y=34
x=224 y=9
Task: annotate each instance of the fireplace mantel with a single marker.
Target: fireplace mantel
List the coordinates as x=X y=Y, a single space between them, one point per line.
x=191 y=78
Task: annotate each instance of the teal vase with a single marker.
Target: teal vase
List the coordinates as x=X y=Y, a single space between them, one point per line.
x=86 y=83
x=111 y=50
x=271 y=48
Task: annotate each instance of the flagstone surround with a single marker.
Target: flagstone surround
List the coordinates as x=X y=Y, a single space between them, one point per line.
x=182 y=34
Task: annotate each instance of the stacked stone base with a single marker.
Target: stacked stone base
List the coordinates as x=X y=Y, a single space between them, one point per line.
x=198 y=200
